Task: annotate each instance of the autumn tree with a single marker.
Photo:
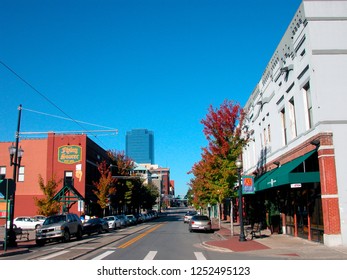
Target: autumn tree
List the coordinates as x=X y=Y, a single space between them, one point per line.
x=215 y=173
x=105 y=185
x=46 y=205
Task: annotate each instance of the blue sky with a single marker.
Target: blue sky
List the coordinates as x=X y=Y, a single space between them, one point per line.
x=125 y=64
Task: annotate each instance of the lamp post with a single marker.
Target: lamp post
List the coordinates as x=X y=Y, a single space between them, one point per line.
x=238 y=164
x=16 y=154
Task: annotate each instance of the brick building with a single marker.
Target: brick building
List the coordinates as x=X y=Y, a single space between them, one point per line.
x=72 y=158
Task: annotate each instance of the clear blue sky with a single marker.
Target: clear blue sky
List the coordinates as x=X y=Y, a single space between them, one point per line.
x=125 y=64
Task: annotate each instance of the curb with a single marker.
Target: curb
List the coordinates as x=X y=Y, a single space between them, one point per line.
x=215 y=248
x=14 y=252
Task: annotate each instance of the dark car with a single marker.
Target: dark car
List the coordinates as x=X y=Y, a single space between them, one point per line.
x=95 y=225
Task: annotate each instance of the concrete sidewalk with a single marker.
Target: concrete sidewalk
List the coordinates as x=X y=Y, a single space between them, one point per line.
x=23 y=245
x=275 y=246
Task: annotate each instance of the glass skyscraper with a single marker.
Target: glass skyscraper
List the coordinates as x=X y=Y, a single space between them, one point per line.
x=139 y=145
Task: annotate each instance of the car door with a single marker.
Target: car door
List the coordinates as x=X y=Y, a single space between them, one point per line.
x=72 y=223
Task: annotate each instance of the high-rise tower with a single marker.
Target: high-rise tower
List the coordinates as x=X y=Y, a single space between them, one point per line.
x=139 y=145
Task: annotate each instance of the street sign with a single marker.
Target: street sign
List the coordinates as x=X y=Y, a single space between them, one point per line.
x=7 y=183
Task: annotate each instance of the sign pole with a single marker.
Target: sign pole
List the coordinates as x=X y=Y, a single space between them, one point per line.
x=6 y=216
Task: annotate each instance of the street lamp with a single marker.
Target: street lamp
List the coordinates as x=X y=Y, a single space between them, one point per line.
x=16 y=154
x=238 y=164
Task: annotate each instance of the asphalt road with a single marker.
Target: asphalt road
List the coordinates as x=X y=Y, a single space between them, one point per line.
x=165 y=238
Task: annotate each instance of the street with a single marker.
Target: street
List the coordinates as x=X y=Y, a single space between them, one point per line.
x=166 y=238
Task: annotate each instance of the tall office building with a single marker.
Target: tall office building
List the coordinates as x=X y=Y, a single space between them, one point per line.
x=139 y=145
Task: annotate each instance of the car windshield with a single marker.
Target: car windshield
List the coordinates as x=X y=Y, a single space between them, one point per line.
x=109 y=218
x=54 y=219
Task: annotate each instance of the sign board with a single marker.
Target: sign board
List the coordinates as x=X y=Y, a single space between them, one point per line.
x=69 y=154
x=7 y=185
x=80 y=206
x=3 y=208
x=295 y=186
x=248 y=185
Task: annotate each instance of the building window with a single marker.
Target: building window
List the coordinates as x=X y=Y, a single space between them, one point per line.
x=68 y=179
x=21 y=174
x=265 y=137
x=269 y=132
x=292 y=118
x=2 y=172
x=284 y=127
x=308 y=99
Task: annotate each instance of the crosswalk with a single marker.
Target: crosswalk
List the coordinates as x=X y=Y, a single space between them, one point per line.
x=149 y=256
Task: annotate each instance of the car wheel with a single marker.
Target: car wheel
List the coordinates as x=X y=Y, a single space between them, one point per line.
x=37 y=226
x=66 y=236
x=40 y=242
x=99 y=229
x=79 y=234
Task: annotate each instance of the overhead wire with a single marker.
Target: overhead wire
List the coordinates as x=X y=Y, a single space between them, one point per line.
x=48 y=100
x=60 y=117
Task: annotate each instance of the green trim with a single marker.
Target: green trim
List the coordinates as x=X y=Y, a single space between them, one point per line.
x=283 y=175
x=68 y=195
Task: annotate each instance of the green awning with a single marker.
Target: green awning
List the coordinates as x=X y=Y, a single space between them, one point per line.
x=283 y=175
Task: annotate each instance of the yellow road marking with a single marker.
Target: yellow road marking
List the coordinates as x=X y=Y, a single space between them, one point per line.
x=133 y=240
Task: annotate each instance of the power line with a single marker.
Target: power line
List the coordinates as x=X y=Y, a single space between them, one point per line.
x=60 y=117
x=47 y=99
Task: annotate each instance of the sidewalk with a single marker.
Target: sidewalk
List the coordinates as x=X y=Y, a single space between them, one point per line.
x=273 y=246
x=23 y=245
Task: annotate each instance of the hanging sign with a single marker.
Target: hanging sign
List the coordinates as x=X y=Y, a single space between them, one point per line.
x=69 y=154
x=248 y=185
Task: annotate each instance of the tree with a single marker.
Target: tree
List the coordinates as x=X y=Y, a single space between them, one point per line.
x=150 y=194
x=216 y=172
x=122 y=166
x=104 y=187
x=47 y=206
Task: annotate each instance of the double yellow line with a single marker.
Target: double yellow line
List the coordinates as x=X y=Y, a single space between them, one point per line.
x=133 y=240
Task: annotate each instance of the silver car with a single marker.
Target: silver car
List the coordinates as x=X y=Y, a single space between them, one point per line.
x=113 y=222
x=189 y=215
x=200 y=222
x=59 y=227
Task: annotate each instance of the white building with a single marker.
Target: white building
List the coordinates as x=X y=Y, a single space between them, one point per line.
x=297 y=120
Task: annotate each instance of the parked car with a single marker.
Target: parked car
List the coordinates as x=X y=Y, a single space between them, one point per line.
x=25 y=222
x=113 y=222
x=139 y=218
x=189 y=215
x=95 y=225
x=59 y=227
x=124 y=220
x=132 y=219
x=39 y=218
x=200 y=222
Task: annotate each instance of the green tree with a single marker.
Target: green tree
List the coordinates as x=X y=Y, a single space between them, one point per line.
x=46 y=205
x=150 y=195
